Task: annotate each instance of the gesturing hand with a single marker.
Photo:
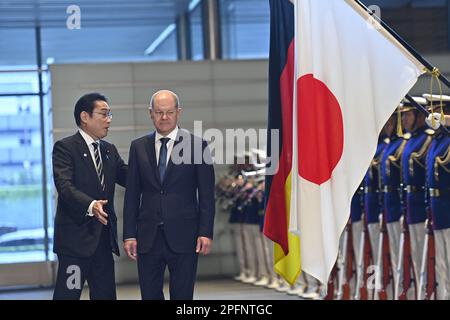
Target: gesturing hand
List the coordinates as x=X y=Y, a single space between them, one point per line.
x=97 y=211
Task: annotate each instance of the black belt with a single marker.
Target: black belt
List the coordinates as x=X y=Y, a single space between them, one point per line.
x=435 y=193
x=370 y=190
x=388 y=189
x=412 y=189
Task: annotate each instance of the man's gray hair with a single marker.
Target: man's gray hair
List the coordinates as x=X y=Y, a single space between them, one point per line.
x=174 y=95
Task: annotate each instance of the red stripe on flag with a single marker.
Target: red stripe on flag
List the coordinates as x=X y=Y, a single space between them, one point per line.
x=276 y=224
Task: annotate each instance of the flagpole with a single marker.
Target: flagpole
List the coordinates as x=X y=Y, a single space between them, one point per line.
x=417 y=105
x=405 y=44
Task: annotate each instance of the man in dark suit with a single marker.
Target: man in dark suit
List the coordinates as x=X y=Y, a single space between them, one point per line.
x=169 y=204
x=85 y=171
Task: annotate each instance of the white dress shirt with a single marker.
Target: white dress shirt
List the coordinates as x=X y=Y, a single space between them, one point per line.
x=172 y=136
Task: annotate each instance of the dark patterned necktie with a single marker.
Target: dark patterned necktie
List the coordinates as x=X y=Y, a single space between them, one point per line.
x=99 y=165
x=162 y=158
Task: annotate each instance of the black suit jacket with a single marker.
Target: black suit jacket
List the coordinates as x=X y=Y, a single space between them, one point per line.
x=184 y=202
x=78 y=185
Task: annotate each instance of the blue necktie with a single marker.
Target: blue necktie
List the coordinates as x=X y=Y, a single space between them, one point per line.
x=162 y=157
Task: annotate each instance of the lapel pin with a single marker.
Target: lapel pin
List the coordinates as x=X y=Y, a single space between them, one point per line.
x=85 y=155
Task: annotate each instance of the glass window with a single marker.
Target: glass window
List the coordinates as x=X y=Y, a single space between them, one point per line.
x=107 y=31
x=244 y=29
x=17 y=47
x=107 y=44
x=51 y=192
x=19 y=82
x=166 y=49
x=196 y=27
x=21 y=218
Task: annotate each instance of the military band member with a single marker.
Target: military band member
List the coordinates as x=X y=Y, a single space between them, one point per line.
x=266 y=261
x=243 y=195
x=228 y=193
x=237 y=222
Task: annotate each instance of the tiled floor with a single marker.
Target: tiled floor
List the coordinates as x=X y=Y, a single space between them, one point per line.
x=205 y=290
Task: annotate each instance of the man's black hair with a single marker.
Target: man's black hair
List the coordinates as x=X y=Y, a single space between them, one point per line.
x=87 y=103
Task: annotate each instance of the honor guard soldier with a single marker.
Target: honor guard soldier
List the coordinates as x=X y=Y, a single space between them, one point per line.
x=391 y=188
x=373 y=200
x=372 y=205
x=438 y=182
x=413 y=174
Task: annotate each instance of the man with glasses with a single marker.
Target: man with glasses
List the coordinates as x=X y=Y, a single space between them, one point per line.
x=85 y=170
x=169 y=205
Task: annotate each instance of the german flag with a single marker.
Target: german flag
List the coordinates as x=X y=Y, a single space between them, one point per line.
x=280 y=117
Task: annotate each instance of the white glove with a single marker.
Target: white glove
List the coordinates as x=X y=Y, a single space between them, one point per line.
x=437 y=123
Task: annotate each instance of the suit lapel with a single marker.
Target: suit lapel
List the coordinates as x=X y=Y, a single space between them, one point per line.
x=150 y=147
x=86 y=158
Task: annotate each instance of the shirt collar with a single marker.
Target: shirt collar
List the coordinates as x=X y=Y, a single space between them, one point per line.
x=87 y=137
x=172 y=136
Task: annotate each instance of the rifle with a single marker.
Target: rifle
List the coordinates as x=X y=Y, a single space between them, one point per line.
x=431 y=260
x=365 y=259
x=428 y=262
x=423 y=265
x=428 y=258
x=330 y=284
x=383 y=261
x=349 y=265
x=408 y=268
x=360 y=267
x=344 y=257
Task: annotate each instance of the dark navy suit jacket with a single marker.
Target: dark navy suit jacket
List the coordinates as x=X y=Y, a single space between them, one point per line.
x=184 y=202
x=77 y=183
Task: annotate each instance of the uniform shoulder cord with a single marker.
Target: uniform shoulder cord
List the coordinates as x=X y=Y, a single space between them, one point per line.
x=417 y=156
x=442 y=162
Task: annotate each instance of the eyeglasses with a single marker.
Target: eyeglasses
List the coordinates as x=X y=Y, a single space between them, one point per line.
x=169 y=113
x=105 y=115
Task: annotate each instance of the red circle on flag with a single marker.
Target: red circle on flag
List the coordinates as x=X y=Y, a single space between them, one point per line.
x=320 y=130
